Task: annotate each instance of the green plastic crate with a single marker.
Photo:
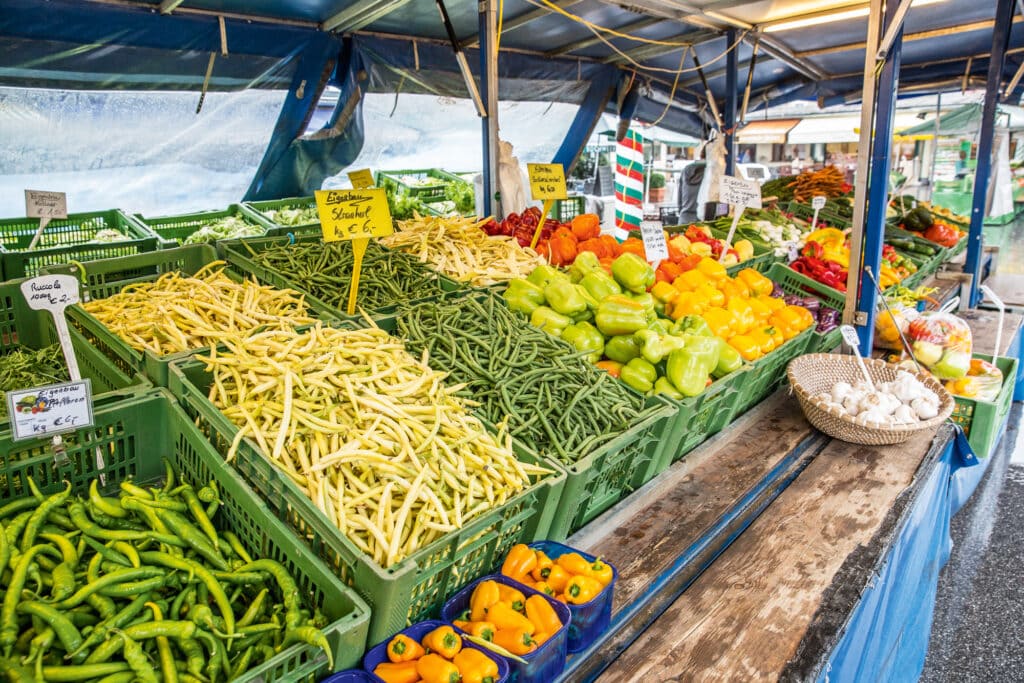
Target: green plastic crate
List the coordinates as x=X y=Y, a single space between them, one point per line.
x=414 y=588
x=427 y=192
x=238 y=253
x=701 y=417
x=68 y=239
x=174 y=230
x=762 y=377
x=564 y=210
x=982 y=421
x=829 y=218
x=108 y=277
x=794 y=283
x=134 y=436
x=19 y=324
x=266 y=208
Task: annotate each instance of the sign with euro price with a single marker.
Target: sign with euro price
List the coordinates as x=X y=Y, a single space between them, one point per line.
x=653 y=235
x=361 y=178
x=547 y=181
x=53 y=409
x=739 y=192
x=353 y=214
x=45 y=204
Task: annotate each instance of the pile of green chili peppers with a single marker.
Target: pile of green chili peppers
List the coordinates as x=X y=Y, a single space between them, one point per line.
x=142 y=587
x=557 y=403
x=22 y=368
x=388 y=278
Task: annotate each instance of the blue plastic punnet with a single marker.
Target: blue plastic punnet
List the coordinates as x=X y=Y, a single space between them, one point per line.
x=379 y=653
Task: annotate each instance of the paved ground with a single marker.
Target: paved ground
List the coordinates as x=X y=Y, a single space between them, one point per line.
x=978 y=631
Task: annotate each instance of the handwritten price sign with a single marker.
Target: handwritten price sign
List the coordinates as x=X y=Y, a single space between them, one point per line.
x=353 y=214
x=41 y=204
x=53 y=409
x=361 y=179
x=739 y=192
x=547 y=181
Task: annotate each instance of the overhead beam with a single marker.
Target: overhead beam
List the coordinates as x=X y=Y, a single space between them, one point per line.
x=594 y=40
x=985 y=25
x=362 y=13
x=168 y=6
x=646 y=52
x=796 y=61
x=523 y=19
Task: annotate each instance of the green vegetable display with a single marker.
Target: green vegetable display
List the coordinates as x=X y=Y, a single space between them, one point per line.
x=22 y=368
x=325 y=270
x=291 y=217
x=227 y=228
x=558 y=405
x=124 y=587
x=462 y=195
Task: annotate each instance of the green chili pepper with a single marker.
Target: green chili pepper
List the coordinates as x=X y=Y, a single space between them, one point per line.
x=66 y=631
x=211 y=584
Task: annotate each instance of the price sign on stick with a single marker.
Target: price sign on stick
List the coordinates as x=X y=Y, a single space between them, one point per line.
x=361 y=179
x=53 y=409
x=818 y=203
x=547 y=183
x=740 y=194
x=355 y=215
x=45 y=206
x=54 y=293
x=655 y=247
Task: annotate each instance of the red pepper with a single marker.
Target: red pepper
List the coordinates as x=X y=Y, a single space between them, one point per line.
x=813 y=250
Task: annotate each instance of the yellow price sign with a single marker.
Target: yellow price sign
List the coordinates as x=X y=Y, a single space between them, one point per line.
x=355 y=215
x=361 y=179
x=547 y=181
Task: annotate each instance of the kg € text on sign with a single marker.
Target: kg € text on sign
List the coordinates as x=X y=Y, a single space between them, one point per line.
x=353 y=214
x=547 y=181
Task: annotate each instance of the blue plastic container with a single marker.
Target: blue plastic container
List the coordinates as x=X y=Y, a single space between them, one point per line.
x=590 y=619
x=351 y=676
x=378 y=653
x=543 y=664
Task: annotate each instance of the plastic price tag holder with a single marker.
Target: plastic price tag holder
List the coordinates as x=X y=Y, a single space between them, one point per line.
x=818 y=203
x=740 y=194
x=356 y=215
x=547 y=183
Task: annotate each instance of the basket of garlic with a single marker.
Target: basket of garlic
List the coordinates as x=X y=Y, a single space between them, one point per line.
x=836 y=399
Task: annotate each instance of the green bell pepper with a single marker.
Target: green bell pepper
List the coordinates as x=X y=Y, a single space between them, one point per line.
x=665 y=388
x=729 y=360
x=661 y=326
x=654 y=347
x=586 y=262
x=687 y=372
x=523 y=296
x=622 y=348
x=550 y=321
x=618 y=314
x=632 y=272
x=585 y=337
x=639 y=374
x=544 y=275
x=705 y=348
x=600 y=284
x=691 y=324
x=564 y=297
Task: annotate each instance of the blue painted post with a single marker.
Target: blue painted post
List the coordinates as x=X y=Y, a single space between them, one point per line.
x=878 y=184
x=731 y=85
x=602 y=87
x=1000 y=41
x=487 y=25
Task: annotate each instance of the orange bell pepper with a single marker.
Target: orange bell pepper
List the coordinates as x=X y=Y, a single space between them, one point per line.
x=541 y=637
x=436 y=669
x=545 y=588
x=397 y=672
x=667 y=272
x=484 y=595
x=481 y=629
x=402 y=648
x=558 y=578
x=476 y=667
x=747 y=347
x=518 y=641
x=582 y=589
x=613 y=368
x=443 y=640
x=574 y=563
x=633 y=246
x=543 y=566
x=512 y=596
x=586 y=226
x=504 y=617
x=519 y=562
x=540 y=612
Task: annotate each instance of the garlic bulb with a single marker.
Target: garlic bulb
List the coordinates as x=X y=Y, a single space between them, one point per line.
x=840 y=390
x=851 y=404
x=926 y=408
x=904 y=414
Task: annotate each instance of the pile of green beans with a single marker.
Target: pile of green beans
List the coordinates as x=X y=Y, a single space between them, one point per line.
x=388 y=278
x=557 y=403
x=142 y=587
x=22 y=368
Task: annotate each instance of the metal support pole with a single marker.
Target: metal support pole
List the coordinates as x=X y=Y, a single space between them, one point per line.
x=935 y=145
x=1000 y=41
x=488 y=27
x=869 y=256
x=731 y=85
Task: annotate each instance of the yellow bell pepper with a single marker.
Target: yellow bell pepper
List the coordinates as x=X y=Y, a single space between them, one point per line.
x=519 y=562
x=759 y=285
x=664 y=292
x=747 y=347
x=700 y=248
x=720 y=321
x=690 y=280
x=687 y=303
x=484 y=596
x=435 y=669
x=712 y=269
x=710 y=295
x=743 y=315
x=745 y=249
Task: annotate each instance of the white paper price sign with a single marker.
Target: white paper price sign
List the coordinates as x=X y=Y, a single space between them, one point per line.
x=53 y=409
x=45 y=206
x=740 y=194
x=54 y=293
x=817 y=203
x=653 y=235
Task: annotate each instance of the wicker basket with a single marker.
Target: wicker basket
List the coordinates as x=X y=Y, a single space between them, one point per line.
x=817 y=372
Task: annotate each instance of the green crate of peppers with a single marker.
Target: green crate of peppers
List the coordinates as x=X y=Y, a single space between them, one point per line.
x=173 y=573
